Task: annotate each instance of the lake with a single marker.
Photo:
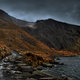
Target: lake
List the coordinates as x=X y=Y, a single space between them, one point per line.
x=70 y=68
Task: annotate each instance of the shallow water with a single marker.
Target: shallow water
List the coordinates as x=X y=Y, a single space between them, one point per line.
x=70 y=68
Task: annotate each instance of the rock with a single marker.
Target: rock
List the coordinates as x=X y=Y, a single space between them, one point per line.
x=39 y=74
x=47 y=65
x=69 y=78
x=39 y=68
x=58 y=63
x=22 y=76
x=55 y=65
x=22 y=64
x=15 y=72
x=27 y=74
x=1 y=67
x=64 y=77
x=18 y=62
x=57 y=58
x=11 y=58
x=61 y=63
x=5 y=59
x=47 y=78
x=27 y=69
x=31 y=79
x=5 y=65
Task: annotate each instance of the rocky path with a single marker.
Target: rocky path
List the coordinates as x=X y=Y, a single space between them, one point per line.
x=13 y=68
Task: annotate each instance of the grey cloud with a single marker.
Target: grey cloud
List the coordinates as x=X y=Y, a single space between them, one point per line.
x=63 y=10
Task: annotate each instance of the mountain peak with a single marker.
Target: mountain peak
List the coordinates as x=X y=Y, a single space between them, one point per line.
x=48 y=21
x=2 y=12
x=5 y=16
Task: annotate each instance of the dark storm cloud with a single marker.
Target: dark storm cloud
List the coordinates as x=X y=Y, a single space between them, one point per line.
x=63 y=10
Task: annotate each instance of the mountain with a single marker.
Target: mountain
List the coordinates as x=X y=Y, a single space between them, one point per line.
x=49 y=34
x=58 y=35
x=7 y=17
x=14 y=38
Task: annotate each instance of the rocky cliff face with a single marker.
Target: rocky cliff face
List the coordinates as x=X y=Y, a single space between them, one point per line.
x=58 y=35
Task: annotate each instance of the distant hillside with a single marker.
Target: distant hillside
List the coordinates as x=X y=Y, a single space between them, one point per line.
x=58 y=35
x=7 y=17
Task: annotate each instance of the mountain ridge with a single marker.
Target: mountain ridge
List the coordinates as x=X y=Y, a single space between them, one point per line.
x=13 y=37
x=43 y=30
x=55 y=34
x=4 y=15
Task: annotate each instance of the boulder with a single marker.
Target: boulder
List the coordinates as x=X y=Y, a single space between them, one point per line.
x=31 y=79
x=27 y=69
x=47 y=65
x=47 y=78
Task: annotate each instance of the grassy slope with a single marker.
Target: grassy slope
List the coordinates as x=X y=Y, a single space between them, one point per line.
x=17 y=39
x=14 y=38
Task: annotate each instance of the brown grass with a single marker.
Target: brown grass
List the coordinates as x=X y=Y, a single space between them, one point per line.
x=14 y=38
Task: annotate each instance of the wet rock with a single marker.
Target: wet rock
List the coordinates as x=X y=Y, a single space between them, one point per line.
x=11 y=59
x=61 y=63
x=58 y=63
x=64 y=77
x=23 y=76
x=39 y=74
x=5 y=59
x=27 y=69
x=47 y=65
x=31 y=79
x=39 y=68
x=22 y=64
x=55 y=65
x=69 y=78
x=57 y=58
x=47 y=78
x=15 y=69
x=15 y=72
x=5 y=65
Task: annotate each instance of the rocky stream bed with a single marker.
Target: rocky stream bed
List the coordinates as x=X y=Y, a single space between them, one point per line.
x=13 y=68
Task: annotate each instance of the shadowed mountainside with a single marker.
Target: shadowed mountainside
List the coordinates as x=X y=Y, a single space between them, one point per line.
x=58 y=35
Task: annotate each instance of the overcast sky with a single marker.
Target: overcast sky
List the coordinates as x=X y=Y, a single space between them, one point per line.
x=32 y=10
